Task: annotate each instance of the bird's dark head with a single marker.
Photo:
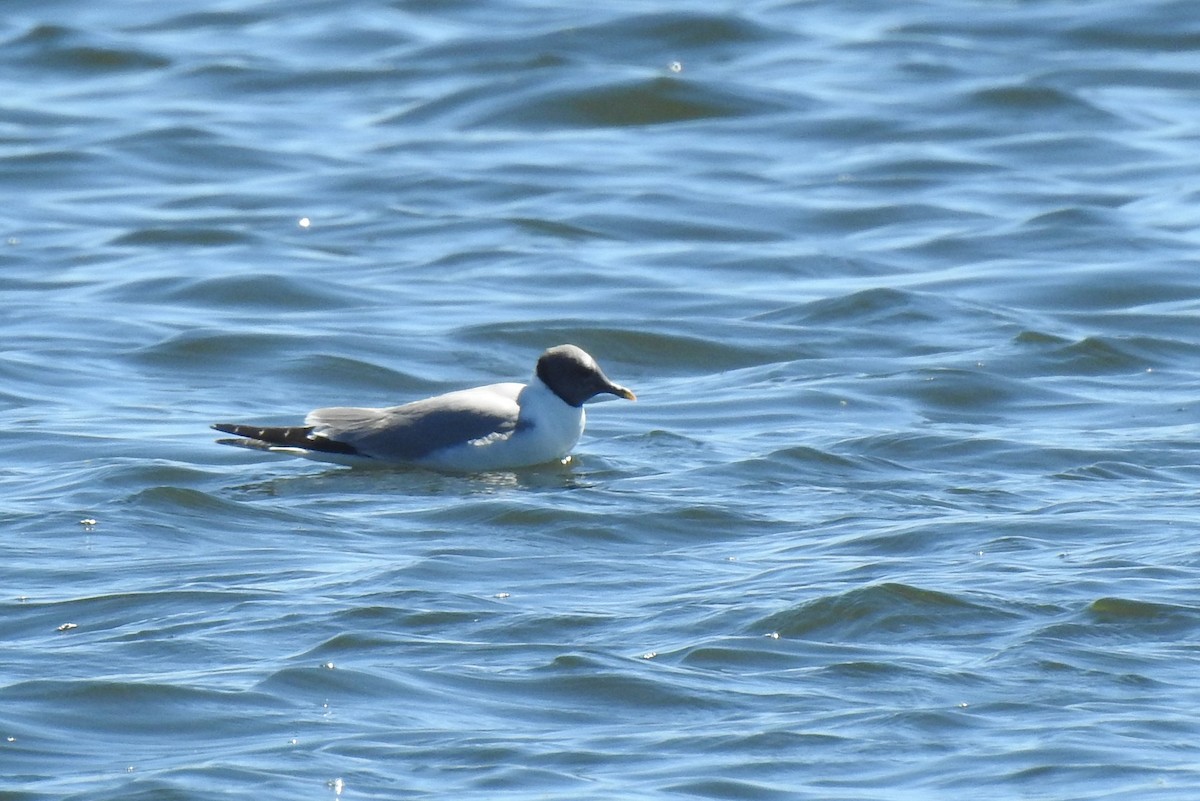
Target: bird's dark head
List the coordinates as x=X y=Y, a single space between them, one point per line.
x=575 y=377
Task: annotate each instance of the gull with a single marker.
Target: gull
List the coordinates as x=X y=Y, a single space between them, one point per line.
x=493 y=427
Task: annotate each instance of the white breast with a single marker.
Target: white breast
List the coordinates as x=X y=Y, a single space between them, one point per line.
x=547 y=430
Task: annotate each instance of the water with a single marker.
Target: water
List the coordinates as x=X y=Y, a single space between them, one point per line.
x=906 y=508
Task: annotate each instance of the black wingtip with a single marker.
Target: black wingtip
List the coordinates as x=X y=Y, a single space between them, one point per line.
x=249 y=444
x=265 y=437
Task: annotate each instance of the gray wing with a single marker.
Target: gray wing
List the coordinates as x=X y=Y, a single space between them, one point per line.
x=415 y=430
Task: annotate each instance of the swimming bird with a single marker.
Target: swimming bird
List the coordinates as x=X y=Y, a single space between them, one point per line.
x=493 y=427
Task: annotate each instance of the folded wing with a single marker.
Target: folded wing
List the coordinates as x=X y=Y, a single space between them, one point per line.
x=415 y=430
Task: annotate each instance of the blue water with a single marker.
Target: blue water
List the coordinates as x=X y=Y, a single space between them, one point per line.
x=906 y=508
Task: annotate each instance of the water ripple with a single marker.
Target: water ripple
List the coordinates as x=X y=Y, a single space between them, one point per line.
x=908 y=297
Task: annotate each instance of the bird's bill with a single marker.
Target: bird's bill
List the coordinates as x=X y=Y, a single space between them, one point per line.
x=622 y=392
